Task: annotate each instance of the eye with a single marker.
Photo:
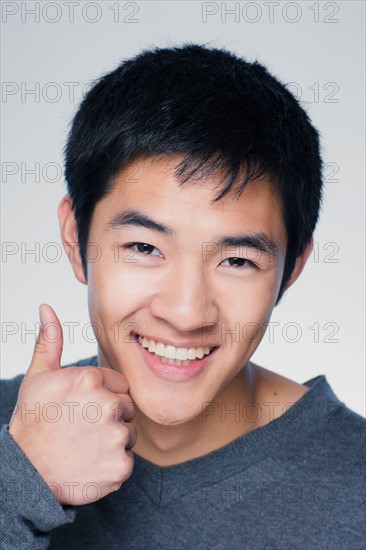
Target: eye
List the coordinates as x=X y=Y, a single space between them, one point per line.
x=243 y=263
x=142 y=248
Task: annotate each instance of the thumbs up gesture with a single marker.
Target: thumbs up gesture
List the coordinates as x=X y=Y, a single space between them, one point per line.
x=74 y=423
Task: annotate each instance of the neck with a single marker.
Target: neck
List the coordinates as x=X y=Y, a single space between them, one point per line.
x=252 y=399
x=166 y=445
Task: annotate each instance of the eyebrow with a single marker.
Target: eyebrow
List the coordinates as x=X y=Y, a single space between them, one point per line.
x=135 y=218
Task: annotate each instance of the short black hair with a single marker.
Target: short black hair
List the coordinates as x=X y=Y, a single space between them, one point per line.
x=218 y=110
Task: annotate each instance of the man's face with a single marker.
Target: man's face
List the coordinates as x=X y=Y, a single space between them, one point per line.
x=181 y=287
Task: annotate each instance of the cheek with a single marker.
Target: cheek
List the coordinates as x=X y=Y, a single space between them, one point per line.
x=255 y=298
x=112 y=289
x=252 y=308
x=247 y=323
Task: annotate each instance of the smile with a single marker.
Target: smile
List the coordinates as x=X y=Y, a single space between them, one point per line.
x=169 y=368
x=172 y=352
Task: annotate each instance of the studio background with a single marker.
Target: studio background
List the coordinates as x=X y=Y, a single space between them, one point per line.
x=52 y=50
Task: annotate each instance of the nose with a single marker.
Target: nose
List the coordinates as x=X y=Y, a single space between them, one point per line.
x=185 y=299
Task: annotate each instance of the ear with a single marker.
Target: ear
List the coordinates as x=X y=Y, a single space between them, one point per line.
x=69 y=237
x=300 y=264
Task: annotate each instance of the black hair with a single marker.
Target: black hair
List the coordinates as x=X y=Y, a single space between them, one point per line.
x=218 y=110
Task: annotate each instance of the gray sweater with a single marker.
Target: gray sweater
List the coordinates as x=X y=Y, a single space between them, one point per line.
x=295 y=483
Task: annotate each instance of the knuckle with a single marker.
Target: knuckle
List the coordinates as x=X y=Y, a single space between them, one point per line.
x=115 y=437
x=126 y=467
x=116 y=486
x=125 y=435
x=90 y=377
x=133 y=432
x=105 y=407
x=112 y=409
x=118 y=436
x=40 y=347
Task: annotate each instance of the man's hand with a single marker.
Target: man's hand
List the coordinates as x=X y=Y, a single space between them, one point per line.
x=73 y=423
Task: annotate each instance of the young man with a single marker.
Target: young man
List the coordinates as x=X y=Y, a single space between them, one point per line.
x=194 y=186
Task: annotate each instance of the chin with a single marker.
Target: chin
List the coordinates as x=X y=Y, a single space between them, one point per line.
x=169 y=413
x=169 y=421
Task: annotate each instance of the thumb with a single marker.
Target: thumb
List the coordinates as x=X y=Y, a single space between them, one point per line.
x=48 y=347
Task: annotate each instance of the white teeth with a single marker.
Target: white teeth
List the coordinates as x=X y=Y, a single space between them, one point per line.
x=171 y=352
x=159 y=350
x=183 y=354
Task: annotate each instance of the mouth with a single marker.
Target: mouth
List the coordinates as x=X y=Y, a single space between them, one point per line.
x=187 y=355
x=174 y=369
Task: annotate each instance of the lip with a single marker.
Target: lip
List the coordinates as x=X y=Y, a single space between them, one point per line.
x=179 y=345
x=174 y=373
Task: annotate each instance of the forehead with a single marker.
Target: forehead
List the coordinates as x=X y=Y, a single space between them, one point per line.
x=149 y=184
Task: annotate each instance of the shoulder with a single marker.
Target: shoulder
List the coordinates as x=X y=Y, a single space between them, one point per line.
x=9 y=388
x=322 y=440
x=318 y=467
x=327 y=443
x=340 y=428
x=335 y=429
x=344 y=434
